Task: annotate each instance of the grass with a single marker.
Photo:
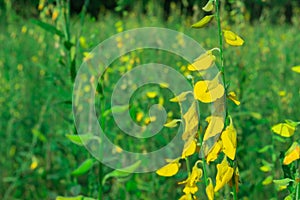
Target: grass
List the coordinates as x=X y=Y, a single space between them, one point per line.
x=36 y=111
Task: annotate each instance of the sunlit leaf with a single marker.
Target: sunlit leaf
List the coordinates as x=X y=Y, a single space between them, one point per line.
x=265 y=168
x=268 y=180
x=203 y=22
x=80 y=140
x=232 y=39
x=121 y=173
x=284 y=129
x=282 y=182
x=84 y=167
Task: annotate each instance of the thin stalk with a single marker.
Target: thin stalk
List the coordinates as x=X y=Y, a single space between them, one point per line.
x=205 y=172
x=188 y=166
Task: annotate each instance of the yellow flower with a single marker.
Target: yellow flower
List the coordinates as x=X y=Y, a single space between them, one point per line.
x=296 y=69
x=232 y=96
x=188 y=197
x=194 y=177
x=232 y=39
x=209 y=91
x=189 y=148
x=181 y=97
x=224 y=174
x=203 y=62
x=215 y=126
x=292 y=154
x=284 y=129
x=55 y=15
x=214 y=152
x=228 y=137
x=170 y=169
x=210 y=190
x=172 y=123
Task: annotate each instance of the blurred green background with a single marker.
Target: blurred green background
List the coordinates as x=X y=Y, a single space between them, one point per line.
x=37 y=66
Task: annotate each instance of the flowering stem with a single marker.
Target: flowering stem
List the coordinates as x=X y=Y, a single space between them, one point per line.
x=205 y=172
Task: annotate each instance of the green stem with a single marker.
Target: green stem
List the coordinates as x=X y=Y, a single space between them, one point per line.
x=220 y=38
x=188 y=166
x=205 y=172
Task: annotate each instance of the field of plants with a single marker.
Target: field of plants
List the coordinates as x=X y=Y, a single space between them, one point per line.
x=252 y=152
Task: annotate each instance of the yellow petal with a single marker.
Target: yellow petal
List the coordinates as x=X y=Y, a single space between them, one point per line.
x=172 y=123
x=139 y=116
x=151 y=95
x=233 y=39
x=215 y=126
x=229 y=141
x=296 y=69
x=224 y=174
x=170 y=169
x=210 y=190
x=209 y=6
x=292 y=154
x=203 y=62
x=181 y=97
x=209 y=91
x=232 y=96
x=191 y=121
x=213 y=154
x=284 y=129
x=204 y=21
x=189 y=148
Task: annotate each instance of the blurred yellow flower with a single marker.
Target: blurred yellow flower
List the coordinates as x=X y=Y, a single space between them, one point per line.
x=233 y=39
x=296 y=69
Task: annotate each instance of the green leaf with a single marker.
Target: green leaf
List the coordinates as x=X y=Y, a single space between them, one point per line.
x=79 y=139
x=121 y=173
x=116 y=109
x=292 y=123
x=48 y=27
x=265 y=148
x=80 y=197
x=84 y=167
x=282 y=182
